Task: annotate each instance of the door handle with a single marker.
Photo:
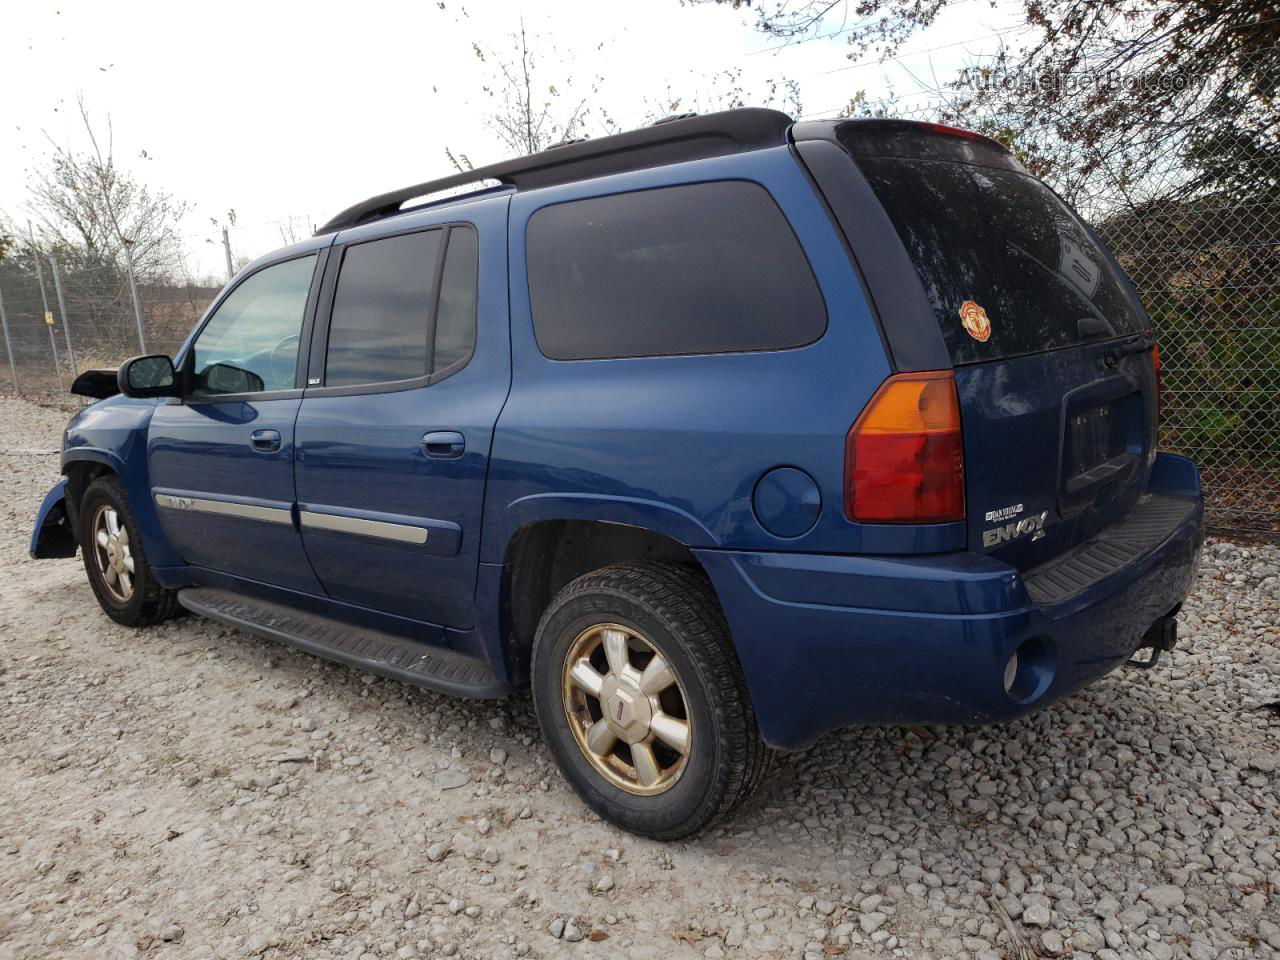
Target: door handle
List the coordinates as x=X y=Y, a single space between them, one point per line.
x=444 y=445
x=265 y=441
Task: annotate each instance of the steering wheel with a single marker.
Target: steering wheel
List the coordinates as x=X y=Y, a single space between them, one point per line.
x=283 y=361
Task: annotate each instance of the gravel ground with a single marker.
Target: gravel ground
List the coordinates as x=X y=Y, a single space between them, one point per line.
x=190 y=791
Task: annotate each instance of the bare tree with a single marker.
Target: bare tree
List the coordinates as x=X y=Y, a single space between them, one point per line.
x=726 y=90
x=86 y=204
x=532 y=111
x=295 y=229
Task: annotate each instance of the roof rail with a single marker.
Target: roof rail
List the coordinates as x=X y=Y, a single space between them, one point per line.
x=673 y=117
x=677 y=140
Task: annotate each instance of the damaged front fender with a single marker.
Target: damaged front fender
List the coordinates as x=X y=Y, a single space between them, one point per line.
x=53 y=536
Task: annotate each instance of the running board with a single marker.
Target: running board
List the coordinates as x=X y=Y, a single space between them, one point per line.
x=419 y=664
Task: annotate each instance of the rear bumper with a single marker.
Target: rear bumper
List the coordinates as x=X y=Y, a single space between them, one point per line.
x=830 y=641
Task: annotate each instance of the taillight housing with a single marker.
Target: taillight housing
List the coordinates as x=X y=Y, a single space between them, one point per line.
x=904 y=457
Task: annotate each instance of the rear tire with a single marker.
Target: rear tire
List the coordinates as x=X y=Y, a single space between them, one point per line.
x=111 y=546
x=667 y=744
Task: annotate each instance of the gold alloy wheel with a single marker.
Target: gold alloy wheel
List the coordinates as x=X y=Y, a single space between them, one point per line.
x=626 y=709
x=112 y=553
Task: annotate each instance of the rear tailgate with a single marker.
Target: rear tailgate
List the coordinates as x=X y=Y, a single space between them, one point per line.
x=1053 y=355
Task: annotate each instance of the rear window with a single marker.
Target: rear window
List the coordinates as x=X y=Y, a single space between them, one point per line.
x=1007 y=266
x=694 y=269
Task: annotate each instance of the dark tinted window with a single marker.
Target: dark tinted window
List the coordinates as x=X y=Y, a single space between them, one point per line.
x=456 y=318
x=382 y=310
x=702 y=268
x=1000 y=240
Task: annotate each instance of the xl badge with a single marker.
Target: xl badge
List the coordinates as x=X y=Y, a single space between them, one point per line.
x=975 y=321
x=1012 y=531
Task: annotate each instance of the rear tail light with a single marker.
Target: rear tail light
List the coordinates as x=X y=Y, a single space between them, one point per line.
x=1155 y=362
x=904 y=458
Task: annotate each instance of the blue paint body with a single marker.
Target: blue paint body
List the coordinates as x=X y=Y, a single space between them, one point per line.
x=736 y=457
x=925 y=640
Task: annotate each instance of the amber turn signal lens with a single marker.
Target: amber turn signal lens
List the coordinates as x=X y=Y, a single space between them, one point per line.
x=904 y=457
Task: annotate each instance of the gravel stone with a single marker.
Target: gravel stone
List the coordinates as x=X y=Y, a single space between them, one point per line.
x=1164 y=897
x=451 y=779
x=1036 y=915
x=437 y=851
x=1052 y=941
x=871 y=922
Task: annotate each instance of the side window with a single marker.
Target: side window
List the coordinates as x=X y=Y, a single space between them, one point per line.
x=456 y=318
x=250 y=344
x=382 y=328
x=694 y=269
x=382 y=310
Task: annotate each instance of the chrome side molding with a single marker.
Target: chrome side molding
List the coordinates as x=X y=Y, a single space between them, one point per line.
x=357 y=526
x=380 y=529
x=226 y=508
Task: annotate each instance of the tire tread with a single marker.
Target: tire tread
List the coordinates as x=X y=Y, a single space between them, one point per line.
x=685 y=598
x=158 y=603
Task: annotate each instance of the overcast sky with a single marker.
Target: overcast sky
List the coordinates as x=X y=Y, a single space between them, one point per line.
x=281 y=110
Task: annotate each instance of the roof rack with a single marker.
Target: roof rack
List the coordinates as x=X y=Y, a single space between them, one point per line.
x=672 y=141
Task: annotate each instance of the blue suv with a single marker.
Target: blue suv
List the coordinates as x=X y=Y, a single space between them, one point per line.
x=717 y=434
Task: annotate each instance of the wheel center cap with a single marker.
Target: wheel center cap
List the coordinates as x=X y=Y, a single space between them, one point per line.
x=626 y=710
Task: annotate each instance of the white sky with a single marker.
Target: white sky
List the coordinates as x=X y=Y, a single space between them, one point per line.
x=283 y=110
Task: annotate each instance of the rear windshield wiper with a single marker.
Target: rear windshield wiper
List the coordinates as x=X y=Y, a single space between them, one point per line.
x=1058 y=279
x=1089 y=327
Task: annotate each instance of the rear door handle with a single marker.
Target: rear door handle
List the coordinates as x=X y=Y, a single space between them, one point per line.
x=265 y=441
x=444 y=445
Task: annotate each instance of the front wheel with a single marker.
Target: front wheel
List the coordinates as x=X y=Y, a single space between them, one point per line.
x=113 y=558
x=639 y=693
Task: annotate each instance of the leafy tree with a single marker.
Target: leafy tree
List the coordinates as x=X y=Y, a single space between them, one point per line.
x=1103 y=89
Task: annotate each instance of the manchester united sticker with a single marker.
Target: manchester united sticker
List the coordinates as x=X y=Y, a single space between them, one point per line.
x=975 y=321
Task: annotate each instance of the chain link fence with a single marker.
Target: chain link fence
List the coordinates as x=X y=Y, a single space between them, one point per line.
x=1207 y=268
x=61 y=318
x=1208 y=272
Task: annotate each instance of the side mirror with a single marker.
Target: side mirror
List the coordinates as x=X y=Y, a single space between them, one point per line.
x=228 y=378
x=152 y=376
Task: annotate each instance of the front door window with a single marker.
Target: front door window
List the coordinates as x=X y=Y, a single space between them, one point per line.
x=250 y=344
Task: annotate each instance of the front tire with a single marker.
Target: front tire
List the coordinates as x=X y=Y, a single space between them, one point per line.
x=640 y=696
x=118 y=571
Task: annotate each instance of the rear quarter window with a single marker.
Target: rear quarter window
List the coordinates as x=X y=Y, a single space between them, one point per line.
x=692 y=269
